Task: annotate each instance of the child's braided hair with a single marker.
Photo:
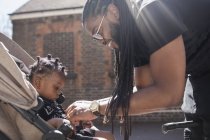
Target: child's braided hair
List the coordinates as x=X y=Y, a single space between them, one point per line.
x=47 y=65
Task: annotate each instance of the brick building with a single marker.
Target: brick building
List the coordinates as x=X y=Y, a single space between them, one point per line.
x=54 y=26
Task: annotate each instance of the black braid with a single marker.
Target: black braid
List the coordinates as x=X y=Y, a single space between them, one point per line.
x=47 y=65
x=93 y=8
x=124 y=56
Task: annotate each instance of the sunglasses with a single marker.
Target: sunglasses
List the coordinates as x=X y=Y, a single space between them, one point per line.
x=99 y=37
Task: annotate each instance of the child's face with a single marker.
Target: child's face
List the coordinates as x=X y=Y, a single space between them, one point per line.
x=51 y=86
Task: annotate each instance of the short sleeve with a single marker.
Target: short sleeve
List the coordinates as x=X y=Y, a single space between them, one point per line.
x=159 y=24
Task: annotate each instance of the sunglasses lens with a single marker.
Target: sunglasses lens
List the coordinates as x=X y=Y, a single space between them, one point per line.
x=97 y=37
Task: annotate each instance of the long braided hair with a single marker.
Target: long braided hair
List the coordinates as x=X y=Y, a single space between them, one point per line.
x=46 y=66
x=129 y=37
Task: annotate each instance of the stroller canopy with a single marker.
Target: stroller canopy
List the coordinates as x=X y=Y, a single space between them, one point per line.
x=14 y=88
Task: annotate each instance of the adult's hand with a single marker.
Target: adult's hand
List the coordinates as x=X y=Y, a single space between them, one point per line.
x=57 y=122
x=79 y=111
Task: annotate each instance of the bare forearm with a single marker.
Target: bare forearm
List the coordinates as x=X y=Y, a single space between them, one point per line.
x=153 y=99
x=147 y=100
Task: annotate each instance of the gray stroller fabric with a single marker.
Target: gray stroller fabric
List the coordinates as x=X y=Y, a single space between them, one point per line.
x=16 y=50
x=14 y=126
x=18 y=98
x=14 y=88
x=17 y=91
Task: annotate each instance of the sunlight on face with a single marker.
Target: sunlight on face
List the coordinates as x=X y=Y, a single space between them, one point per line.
x=51 y=86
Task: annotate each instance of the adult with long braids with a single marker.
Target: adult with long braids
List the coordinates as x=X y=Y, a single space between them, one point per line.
x=157 y=45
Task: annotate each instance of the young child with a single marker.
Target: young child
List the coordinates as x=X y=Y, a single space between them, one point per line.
x=48 y=76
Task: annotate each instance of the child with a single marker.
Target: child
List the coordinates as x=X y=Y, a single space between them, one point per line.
x=48 y=76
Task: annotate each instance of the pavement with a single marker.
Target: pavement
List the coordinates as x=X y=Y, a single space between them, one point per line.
x=147 y=131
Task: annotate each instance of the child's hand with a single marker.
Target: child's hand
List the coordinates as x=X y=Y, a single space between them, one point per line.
x=57 y=122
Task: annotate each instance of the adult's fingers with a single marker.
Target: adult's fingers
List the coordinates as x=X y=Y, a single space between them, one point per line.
x=81 y=103
x=71 y=113
x=70 y=107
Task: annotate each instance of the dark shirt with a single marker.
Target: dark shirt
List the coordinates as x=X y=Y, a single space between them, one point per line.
x=161 y=21
x=51 y=109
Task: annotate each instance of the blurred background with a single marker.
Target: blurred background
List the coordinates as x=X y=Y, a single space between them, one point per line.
x=6 y=8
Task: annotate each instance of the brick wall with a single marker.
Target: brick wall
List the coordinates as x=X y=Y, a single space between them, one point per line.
x=90 y=65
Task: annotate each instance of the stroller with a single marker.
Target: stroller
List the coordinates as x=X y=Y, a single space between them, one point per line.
x=19 y=101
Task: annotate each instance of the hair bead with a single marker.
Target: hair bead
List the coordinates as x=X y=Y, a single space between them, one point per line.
x=63 y=69
x=49 y=56
x=38 y=59
x=56 y=61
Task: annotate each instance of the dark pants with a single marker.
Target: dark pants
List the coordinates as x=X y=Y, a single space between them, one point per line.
x=201 y=132
x=3 y=136
x=201 y=93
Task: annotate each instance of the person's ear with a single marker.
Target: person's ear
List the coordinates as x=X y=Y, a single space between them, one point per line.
x=37 y=82
x=113 y=13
